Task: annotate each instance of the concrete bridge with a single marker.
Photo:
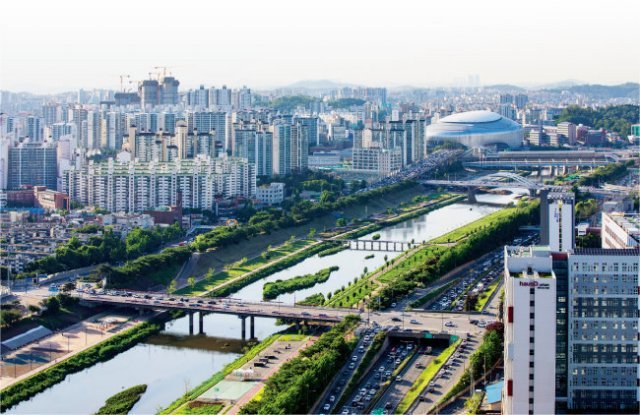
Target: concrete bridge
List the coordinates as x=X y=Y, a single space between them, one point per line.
x=418 y=320
x=538 y=163
x=506 y=179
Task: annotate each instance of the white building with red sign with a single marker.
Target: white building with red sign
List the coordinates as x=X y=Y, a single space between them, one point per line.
x=530 y=341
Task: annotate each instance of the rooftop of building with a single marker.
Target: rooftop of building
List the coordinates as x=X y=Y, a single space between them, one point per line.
x=630 y=222
x=607 y=252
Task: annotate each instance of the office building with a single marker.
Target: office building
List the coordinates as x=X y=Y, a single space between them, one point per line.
x=603 y=366
x=568 y=131
x=530 y=341
x=592 y=319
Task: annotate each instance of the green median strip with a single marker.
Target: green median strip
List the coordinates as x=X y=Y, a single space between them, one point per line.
x=486 y=295
x=424 y=378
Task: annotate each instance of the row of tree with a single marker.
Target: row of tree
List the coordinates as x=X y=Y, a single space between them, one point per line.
x=130 y=274
x=108 y=247
x=604 y=174
x=436 y=261
x=301 y=212
x=295 y=387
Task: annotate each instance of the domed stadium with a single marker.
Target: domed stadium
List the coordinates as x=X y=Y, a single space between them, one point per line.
x=476 y=129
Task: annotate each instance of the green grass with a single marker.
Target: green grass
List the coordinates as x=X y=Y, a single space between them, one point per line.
x=464 y=231
x=122 y=402
x=352 y=294
x=484 y=297
x=177 y=405
x=424 y=378
x=293 y=337
x=240 y=268
x=430 y=296
x=200 y=408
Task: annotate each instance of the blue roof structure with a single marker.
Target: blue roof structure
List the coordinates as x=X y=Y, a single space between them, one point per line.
x=494 y=392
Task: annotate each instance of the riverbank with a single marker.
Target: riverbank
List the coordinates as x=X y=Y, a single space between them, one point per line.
x=255 y=246
x=197 y=400
x=75 y=362
x=423 y=264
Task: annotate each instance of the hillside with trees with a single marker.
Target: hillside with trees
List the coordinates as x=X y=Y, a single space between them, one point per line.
x=616 y=118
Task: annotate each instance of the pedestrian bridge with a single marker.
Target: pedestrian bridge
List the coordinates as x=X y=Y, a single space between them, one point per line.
x=371 y=245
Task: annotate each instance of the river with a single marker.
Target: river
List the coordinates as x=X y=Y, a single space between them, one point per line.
x=172 y=361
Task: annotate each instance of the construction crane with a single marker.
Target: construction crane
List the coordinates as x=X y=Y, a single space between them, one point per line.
x=164 y=71
x=122 y=78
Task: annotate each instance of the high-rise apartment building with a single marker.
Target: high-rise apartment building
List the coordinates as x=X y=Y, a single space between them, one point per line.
x=34 y=128
x=32 y=164
x=281 y=161
x=139 y=186
x=149 y=91
x=169 y=91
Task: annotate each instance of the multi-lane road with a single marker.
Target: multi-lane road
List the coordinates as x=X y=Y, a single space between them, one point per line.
x=457 y=323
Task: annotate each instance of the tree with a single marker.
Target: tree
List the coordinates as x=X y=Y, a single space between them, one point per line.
x=69 y=286
x=9 y=317
x=191 y=281
x=341 y=222
x=172 y=287
x=312 y=233
x=52 y=305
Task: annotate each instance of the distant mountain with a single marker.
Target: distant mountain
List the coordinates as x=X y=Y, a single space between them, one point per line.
x=317 y=84
x=505 y=87
x=567 y=83
x=627 y=90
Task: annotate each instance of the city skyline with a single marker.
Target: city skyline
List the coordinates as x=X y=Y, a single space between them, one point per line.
x=243 y=44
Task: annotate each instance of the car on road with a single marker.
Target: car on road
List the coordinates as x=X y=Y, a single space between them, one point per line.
x=414 y=321
x=332 y=398
x=352 y=366
x=326 y=407
x=396 y=319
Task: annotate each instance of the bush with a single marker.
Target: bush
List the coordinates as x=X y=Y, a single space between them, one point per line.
x=122 y=402
x=272 y=290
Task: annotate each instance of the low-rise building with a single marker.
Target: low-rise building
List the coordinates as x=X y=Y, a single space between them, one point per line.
x=620 y=230
x=272 y=194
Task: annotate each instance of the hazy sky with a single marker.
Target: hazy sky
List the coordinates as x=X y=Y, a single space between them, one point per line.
x=48 y=46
